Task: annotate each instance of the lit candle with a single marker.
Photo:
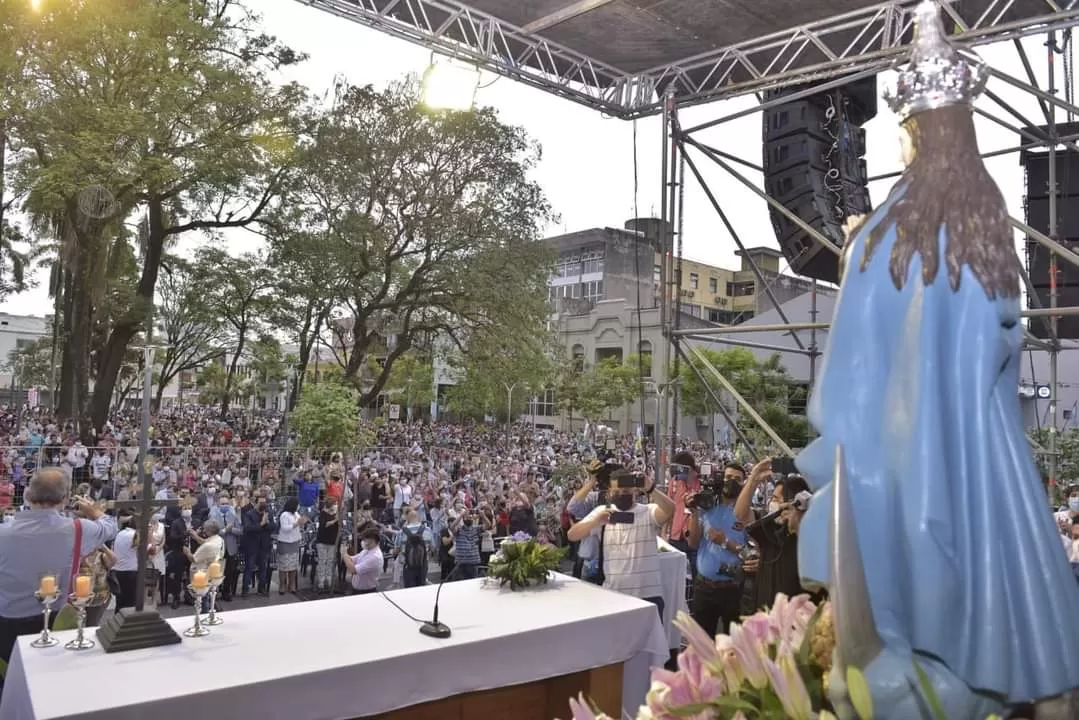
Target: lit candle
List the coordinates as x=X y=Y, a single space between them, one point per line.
x=82 y=586
x=215 y=570
x=48 y=585
x=199 y=580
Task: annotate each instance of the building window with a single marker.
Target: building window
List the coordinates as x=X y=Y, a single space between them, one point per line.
x=21 y=343
x=545 y=404
x=592 y=262
x=608 y=354
x=741 y=289
x=657 y=274
x=713 y=286
x=694 y=281
x=578 y=358
x=645 y=352
x=693 y=310
x=592 y=290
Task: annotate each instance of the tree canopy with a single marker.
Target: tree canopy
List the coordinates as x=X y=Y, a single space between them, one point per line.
x=328 y=416
x=766 y=385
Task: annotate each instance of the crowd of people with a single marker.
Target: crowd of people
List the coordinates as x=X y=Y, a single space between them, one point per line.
x=430 y=501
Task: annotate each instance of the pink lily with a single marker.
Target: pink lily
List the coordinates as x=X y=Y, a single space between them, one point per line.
x=698 y=639
x=732 y=667
x=790 y=617
x=581 y=710
x=788 y=684
x=751 y=652
x=692 y=684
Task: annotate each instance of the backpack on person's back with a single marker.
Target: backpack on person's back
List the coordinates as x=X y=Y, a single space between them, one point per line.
x=415 y=550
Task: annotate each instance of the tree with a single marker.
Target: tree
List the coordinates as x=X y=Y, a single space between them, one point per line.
x=266 y=362
x=500 y=370
x=236 y=293
x=594 y=391
x=193 y=334
x=765 y=385
x=31 y=364
x=147 y=108
x=426 y=226
x=212 y=384
x=411 y=381
x=1067 y=446
x=327 y=417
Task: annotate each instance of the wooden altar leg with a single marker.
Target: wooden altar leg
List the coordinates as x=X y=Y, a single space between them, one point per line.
x=605 y=688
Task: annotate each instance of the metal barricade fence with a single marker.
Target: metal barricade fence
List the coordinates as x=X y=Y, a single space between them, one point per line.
x=116 y=466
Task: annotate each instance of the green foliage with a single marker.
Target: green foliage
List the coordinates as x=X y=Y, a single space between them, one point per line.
x=212 y=384
x=425 y=225
x=411 y=382
x=521 y=563
x=593 y=391
x=766 y=385
x=1067 y=447
x=499 y=366
x=31 y=365
x=193 y=333
x=118 y=111
x=328 y=416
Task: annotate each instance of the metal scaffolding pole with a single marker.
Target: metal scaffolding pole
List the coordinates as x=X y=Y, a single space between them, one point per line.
x=733 y=329
x=677 y=324
x=664 y=300
x=1053 y=298
x=991 y=154
x=719 y=403
x=742 y=402
x=750 y=345
x=761 y=281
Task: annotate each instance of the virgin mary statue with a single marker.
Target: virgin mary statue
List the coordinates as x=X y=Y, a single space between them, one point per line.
x=954 y=561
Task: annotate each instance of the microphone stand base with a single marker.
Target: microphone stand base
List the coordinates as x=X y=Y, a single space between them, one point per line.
x=435 y=630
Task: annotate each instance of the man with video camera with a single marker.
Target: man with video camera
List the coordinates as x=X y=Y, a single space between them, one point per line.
x=718 y=537
x=628 y=549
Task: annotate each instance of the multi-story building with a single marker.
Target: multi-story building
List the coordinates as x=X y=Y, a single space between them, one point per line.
x=16 y=332
x=624 y=263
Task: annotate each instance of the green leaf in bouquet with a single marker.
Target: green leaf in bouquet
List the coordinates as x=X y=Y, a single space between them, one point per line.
x=930 y=693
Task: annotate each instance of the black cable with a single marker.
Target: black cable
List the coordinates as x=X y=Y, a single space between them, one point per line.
x=400 y=609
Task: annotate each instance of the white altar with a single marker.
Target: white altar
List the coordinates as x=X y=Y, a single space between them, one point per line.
x=346 y=657
x=673 y=568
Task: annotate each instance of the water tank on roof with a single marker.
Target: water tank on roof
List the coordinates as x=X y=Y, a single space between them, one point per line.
x=653 y=229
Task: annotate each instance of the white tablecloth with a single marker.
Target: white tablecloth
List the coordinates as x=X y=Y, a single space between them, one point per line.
x=345 y=657
x=673 y=567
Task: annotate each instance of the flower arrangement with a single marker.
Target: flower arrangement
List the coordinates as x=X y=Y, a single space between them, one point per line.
x=522 y=561
x=774 y=665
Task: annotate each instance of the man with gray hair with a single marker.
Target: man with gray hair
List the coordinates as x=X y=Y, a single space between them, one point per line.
x=41 y=541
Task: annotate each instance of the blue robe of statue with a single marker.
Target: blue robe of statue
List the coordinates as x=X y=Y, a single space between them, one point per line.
x=962 y=557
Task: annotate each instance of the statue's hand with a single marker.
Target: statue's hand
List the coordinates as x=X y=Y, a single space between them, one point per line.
x=897 y=691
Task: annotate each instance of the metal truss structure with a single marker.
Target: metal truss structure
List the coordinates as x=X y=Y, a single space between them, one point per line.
x=826 y=53
x=680 y=146
x=866 y=39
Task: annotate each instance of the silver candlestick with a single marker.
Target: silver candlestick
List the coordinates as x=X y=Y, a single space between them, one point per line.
x=211 y=617
x=198 y=629
x=47 y=639
x=81 y=642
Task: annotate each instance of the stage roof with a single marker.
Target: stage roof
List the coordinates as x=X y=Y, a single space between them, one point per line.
x=621 y=56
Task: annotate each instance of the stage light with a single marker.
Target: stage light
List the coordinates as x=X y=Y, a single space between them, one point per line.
x=35 y=5
x=449 y=86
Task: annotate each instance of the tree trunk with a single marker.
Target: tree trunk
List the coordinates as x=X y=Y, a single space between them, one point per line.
x=112 y=355
x=241 y=341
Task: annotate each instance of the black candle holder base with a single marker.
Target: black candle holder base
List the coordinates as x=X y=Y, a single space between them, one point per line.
x=131 y=629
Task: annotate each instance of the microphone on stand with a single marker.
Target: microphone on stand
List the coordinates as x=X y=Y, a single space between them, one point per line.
x=434 y=628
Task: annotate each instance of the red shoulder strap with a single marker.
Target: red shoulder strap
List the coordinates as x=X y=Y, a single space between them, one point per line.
x=75 y=556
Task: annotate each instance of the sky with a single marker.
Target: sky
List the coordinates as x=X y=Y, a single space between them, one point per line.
x=587 y=168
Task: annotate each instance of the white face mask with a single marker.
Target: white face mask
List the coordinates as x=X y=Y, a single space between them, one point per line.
x=186 y=514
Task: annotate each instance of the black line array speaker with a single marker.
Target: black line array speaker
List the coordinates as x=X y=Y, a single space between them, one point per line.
x=814 y=166
x=1036 y=202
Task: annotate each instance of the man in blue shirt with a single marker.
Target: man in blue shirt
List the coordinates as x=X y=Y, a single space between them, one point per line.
x=718 y=537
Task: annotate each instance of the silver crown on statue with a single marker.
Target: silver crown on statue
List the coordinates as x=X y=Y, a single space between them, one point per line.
x=937 y=75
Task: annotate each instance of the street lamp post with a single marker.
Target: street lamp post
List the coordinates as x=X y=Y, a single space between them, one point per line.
x=509 y=403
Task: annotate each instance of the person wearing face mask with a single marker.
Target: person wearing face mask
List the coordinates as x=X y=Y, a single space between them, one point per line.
x=329 y=530
x=364 y=568
x=466 y=541
x=776 y=539
x=717 y=536
x=1068 y=517
x=226 y=517
x=176 y=535
x=629 y=553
